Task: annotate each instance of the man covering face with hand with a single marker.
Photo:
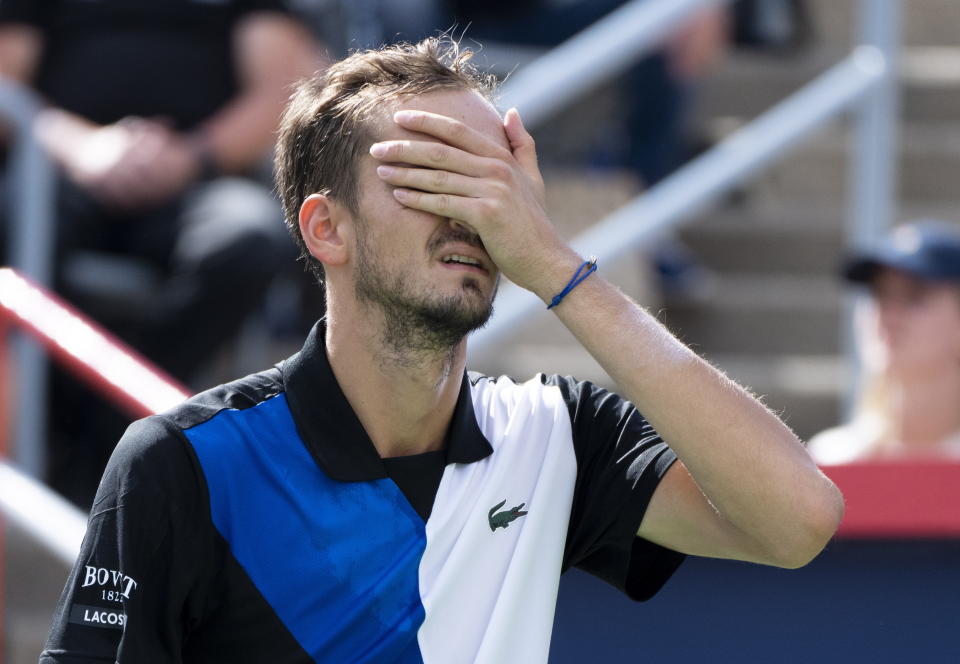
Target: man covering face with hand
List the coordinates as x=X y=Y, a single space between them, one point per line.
x=368 y=500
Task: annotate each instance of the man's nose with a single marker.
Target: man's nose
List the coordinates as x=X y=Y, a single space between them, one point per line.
x=461 y=226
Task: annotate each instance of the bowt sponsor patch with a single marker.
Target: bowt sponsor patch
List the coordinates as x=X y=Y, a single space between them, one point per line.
x=97 y=616
x=102 y=577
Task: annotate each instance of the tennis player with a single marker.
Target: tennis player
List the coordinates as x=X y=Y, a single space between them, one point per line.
x=368 y=500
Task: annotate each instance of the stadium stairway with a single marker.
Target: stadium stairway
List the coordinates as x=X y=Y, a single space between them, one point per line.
x=773 y=312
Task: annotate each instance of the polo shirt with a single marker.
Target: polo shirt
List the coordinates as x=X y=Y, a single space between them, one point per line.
x=256 y=522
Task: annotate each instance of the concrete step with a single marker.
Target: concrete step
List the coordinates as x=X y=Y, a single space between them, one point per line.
x=748 y=84
x=748 y=247
x=817 y=172
x=764 y=316
x=925 y=22
x=787 y=238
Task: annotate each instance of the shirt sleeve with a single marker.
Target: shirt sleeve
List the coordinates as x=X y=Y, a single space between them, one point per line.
x=133 y=592
x=620 y=461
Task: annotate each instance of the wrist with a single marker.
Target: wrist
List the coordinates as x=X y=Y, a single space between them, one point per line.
x=556 y=274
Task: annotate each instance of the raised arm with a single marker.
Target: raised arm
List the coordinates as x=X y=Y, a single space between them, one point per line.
x=273 y=51
x=745 y=487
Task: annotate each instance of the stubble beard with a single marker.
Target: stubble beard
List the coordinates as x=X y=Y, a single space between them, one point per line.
x=416 y=324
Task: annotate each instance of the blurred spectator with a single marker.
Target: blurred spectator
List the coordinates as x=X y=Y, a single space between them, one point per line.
x=909 y=339
x=156 y=111
x=159 y=114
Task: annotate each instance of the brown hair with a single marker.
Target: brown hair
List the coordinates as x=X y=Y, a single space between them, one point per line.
x=325 y=128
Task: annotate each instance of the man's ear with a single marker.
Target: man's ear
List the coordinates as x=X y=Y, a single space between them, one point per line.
x=322 y=229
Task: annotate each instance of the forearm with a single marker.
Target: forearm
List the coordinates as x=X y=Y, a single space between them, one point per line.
x=241 y=133
x=273 y=52
x=751 y=467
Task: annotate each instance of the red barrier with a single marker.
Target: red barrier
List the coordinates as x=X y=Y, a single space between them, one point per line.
x=98 y=358
x=899 y=499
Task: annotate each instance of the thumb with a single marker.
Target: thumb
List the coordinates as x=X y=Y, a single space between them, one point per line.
x=521 y=143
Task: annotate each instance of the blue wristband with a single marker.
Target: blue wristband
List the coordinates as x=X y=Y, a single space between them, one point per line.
x=585 y=270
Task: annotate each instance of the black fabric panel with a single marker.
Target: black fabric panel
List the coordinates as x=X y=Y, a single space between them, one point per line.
x=145 y=556
x=418 y=477
x=620 y=462
x=182 y=594
x=240 y=626
x=239 y=394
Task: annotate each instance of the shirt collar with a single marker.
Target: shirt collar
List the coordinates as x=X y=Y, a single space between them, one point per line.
x=333 y=433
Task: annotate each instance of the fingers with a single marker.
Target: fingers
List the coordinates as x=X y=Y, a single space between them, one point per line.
x=461 y=208
x=521 y=142
x=433 y=155
x=431 y=180
x=450 y=131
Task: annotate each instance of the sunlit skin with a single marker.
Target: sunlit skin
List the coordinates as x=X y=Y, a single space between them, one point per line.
x=447 y=160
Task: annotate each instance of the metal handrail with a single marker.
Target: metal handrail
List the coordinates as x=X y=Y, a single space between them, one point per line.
x=95 y=356
x=31 y=186
x=52 y=521
x=864 y=81
x=595 y=55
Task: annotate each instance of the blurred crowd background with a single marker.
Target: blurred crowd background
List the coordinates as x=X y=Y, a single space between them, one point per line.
x=159 y=116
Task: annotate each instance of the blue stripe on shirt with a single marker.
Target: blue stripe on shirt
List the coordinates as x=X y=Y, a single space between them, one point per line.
x=337 y=561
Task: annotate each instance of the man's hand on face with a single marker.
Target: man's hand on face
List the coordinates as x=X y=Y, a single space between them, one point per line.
x=495 y=191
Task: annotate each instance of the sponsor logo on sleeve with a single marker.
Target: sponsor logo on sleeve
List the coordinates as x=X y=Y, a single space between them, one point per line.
x=102 y=586
x=97 y=616
x=113 y=585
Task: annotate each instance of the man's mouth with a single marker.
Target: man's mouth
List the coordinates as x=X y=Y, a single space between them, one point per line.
x=461 y=260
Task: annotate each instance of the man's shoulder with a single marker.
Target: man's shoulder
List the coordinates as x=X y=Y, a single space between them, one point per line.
x=154 y=451
x=239 y=394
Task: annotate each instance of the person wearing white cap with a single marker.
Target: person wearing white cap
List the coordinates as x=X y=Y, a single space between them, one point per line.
x=908 y=336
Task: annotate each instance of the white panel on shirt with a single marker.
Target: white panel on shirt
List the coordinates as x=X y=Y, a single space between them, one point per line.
x=490 y=596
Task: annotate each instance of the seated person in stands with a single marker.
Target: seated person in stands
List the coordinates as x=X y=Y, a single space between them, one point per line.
x=152 y=105
x=158 y=114
x=909 y=338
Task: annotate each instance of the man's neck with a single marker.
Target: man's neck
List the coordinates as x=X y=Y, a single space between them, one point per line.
x=404 y=401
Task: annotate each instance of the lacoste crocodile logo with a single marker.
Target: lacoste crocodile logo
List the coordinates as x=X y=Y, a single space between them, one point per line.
x=503 y=519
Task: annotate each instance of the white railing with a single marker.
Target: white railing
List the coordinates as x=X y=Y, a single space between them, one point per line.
x=35 y=509
x=30 y=234
x=864 y=82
